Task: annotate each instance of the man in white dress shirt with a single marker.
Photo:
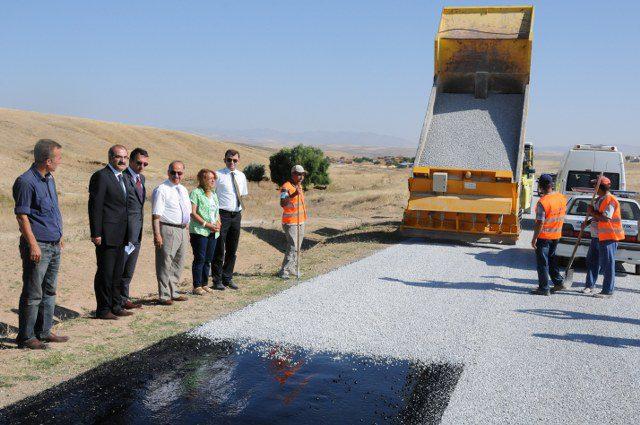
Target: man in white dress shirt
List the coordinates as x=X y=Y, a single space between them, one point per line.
x=170 y=211
x=231 y=187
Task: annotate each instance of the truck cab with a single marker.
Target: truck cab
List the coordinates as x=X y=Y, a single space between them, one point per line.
x=585 y=162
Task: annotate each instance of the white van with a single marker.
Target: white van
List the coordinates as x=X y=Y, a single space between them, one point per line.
x=584 y=163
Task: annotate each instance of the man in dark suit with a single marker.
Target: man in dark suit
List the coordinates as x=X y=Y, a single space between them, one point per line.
x=136 y=194
x=108 y=223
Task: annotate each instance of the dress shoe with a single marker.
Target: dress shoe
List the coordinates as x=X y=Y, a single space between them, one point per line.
x=219 y=286
x=602 y=295
x=165 y=302
x=33 y=344
x=55 y=338
x=231 y=285
x=131 y=305
x=123 y=313
x=207 y=289
x=107 y=316
x=198 y=291
x=538 y=291
x=180 y=298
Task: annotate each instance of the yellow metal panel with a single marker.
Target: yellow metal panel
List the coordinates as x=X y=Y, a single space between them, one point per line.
x=486 y=22
x=466 y=204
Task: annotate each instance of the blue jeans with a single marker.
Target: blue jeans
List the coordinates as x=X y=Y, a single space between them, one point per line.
x=38 y=297
x=203 y=249
x=547 y=263
x=602 y=258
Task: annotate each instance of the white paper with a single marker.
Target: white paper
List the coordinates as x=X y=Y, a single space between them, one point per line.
x=129 y=248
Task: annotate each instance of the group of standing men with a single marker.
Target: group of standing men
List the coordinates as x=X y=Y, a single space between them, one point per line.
x=605 y=223
x=117 y=196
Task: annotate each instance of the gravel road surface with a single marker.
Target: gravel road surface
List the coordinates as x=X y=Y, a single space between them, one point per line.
x=568 y=358
x=460 y=120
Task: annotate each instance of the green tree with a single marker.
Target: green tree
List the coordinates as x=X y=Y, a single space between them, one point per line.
x=312 y=159
x=254 y=172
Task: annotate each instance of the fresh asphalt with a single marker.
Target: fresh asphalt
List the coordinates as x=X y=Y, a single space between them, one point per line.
x=567 y=358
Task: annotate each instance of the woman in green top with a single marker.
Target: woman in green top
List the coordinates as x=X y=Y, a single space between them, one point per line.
x=204 y=228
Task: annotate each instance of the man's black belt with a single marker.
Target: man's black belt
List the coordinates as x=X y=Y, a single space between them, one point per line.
x=231 y=213
x=180 y=226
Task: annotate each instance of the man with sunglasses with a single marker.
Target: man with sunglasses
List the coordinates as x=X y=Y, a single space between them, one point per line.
x=108 y=220
x=171 y=211
x=232 y=186
x=138 y=161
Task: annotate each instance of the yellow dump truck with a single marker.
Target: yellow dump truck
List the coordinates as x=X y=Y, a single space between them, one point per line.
x=468 y=172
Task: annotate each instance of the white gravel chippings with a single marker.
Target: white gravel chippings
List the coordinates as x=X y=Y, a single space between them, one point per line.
x=564 y=359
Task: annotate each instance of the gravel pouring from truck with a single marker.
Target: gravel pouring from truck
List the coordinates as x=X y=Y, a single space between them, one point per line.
x=467 y=177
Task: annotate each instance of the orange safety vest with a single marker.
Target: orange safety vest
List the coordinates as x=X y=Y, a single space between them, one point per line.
x=555 y=206
x=610 y=230
x=290 y=212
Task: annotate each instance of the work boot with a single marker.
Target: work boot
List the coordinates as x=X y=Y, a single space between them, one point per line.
x=539 y=291
x=587 y=290
x=602 y=295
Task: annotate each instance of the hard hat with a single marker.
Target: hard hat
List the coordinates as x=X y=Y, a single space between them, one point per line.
x=298 y=169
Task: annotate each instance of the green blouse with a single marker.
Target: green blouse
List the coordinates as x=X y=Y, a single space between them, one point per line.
x=207 y=209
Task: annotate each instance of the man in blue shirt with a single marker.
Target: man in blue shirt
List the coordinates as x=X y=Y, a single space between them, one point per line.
x=40 y=222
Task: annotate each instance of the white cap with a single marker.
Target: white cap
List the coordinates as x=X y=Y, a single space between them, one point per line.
x=298 y=169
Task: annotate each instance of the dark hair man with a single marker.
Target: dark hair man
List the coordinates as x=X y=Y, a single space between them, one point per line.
x=606 y=232
x=40 y=222
x=108 y=219
x=550 y=212
x=136 y=194
x=232 y=186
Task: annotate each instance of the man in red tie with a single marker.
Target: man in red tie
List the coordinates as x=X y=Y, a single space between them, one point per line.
x=138 y=161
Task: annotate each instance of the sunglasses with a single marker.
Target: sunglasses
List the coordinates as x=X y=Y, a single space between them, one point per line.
x=142 y=163
x=235 y=161
x=176 y=173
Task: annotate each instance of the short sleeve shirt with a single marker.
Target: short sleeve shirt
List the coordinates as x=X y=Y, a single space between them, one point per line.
x=207 y=208
x=171 y=202
x=36 y=197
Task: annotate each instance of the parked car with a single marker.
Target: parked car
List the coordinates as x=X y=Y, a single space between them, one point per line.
x=585 y=162
x=628 y=249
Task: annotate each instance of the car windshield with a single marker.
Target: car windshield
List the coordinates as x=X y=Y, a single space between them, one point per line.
x=577 y=179
x=629 y=210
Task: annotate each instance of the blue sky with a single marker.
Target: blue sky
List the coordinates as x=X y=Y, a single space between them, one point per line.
x=304 y=65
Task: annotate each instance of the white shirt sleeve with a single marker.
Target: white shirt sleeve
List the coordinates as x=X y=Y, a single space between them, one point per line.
x=608 y=212
x=157 y=201
x=244 y=191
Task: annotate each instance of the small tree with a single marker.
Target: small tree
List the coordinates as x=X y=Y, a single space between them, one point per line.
x=312 y=159
x=254 y=172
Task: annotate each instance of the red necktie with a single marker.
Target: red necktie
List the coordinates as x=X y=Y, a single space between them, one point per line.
x=139 y=186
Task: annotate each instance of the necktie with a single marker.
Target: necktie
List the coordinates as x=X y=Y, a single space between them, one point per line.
x=139 y=186
x=183 y=207
x=235 y=189
x=121 y=181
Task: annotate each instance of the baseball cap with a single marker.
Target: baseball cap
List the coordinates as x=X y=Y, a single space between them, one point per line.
x=545 y=180
x=298 y=169
x=603 y=181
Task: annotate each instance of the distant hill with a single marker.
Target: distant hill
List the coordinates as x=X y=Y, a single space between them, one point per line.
x=85 y=143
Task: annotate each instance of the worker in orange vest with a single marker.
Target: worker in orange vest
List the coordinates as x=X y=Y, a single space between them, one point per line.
x=606 y=232
x=550 y=211
x=294 y=216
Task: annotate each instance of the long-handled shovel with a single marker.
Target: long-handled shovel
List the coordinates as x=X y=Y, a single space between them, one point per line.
x=568 y=275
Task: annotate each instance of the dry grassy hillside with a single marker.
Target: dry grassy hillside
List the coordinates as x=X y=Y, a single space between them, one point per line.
x=85 y=143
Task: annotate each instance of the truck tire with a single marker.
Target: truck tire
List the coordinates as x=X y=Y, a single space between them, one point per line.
x=563 y=261
x=638 y=269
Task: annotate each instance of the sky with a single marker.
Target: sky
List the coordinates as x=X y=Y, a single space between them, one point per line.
x=364 y=66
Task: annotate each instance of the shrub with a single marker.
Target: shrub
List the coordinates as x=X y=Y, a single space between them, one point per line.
x=254 y=172
x=312 y=159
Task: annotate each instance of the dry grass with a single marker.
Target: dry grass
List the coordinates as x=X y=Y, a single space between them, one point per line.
x=356 y=215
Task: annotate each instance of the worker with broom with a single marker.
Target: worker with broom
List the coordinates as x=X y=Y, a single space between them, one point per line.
x=294 y=216
x=550 y=212
x=606 y=232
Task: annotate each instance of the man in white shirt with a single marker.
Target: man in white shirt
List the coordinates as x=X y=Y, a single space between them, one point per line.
x=170 y=211
x=231 y=187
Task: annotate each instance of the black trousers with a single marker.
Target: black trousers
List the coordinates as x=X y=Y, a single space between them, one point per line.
x=106 y=283
x=130 y=262
x=224 y=259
